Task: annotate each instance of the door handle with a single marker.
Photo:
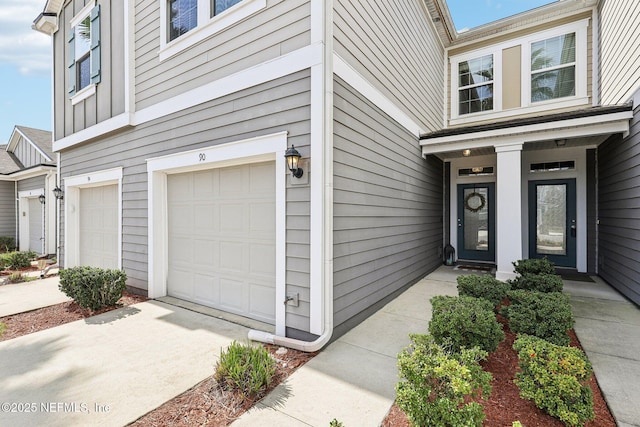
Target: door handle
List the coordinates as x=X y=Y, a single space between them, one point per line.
x=459 y=222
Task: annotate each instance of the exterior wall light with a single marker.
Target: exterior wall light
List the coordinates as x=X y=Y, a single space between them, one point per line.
x=42 y=199
x=58 y=193
x=293 y=157
x=466 y=153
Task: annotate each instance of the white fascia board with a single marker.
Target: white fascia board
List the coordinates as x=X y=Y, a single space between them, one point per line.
x=572 y=128
x=28 y=173
x=110 y=125
x=343 y=70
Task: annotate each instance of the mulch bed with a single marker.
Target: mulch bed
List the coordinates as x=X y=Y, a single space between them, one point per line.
x=505 y=405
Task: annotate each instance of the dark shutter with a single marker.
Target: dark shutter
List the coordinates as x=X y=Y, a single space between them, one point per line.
x=95 y=45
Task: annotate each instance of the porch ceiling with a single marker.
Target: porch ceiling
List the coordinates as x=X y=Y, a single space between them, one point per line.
x=577 y=128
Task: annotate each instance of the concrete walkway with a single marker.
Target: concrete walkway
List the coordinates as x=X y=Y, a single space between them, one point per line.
x=608 y=327
x=110 y=369
x=354 y=378
x=27 y=296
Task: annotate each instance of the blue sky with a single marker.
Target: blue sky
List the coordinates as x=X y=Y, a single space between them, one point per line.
x=25 y=55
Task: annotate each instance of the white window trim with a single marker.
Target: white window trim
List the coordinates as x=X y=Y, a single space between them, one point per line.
x=263 y=148
x=526 y=106
x=497 y=81
x=80 y=16
x=580 y=97
x=206 y=26
x=72 y=186
x=83 y=94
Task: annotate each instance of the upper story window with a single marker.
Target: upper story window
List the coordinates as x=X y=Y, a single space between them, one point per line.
x=187 y=22
x=553 y=68
x=475 y=85
x=84 y=53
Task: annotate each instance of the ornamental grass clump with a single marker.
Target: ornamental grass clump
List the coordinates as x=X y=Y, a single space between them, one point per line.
x=93 y=288
x=436 y=380
x=544 y=315
x=465 y=321
x=246 y=369
x=556 y=379
x=483 y=286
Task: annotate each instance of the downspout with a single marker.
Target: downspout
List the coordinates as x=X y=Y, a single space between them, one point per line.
x=322 y=150
x=17 y=207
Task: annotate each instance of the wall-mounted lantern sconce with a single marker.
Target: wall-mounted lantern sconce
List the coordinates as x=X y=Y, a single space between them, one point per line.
x=58 y=193
x=466 y=153
x=560 y=142
x=293 y=157
x=41 y=198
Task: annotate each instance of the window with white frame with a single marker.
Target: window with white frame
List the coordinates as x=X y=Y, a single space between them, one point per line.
x=84 y=50
x=553 y=68
x=184 y=14
x=187 y=22
x=475 y=85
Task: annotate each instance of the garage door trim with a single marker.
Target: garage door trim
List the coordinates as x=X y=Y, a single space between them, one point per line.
x=259 y=149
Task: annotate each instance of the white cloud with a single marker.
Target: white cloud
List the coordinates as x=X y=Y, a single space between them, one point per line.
x=20 y=46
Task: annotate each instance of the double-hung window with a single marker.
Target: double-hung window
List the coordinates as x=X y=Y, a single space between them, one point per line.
x=475 y=85
x=553 y=68
x=84 y=51
x=184 y=14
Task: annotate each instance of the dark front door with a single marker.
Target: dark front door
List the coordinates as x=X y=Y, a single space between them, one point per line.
x=476 y=222
x=552 y=221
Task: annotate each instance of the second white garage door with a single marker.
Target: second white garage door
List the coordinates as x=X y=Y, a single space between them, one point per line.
x=99 y=226
x=221 y=246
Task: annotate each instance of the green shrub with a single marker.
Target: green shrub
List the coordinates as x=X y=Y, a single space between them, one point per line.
x=17 y=259
x=335 y=423
x=534 y=266
x=436 y=381
x=538 y=282
x=91 y=287
x=483 y=286
x=3 y=328
x=245 y=368
x=555 y=379
x=20 y=278
x=7 y=244
x=466 y=322
x=544 y=315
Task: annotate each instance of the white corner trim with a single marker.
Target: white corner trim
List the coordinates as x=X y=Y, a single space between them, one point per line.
x=343 y=70
x=279 y=67
x=251 y=150
x=317 y=21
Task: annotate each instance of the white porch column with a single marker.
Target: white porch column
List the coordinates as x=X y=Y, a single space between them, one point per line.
x=508 y=209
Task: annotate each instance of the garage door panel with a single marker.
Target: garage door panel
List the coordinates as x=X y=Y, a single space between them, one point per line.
x=227 y=233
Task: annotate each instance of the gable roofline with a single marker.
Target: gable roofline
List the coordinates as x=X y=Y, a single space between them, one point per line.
x=47 y=21
x=29 y=135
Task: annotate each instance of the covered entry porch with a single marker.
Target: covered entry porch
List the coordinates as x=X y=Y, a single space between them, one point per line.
x=525 y=188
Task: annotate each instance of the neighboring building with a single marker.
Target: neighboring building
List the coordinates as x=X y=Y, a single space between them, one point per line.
x=28 y=171
x=172 y=119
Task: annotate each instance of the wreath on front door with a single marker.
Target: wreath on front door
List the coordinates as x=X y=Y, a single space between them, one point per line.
x=474 y=202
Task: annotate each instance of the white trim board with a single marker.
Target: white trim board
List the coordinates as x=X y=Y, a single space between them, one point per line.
x=284 y=65
x=252 y=150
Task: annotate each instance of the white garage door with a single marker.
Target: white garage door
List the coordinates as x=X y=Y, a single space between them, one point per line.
x=222 y=239
x=99 y=226
x=36 y=232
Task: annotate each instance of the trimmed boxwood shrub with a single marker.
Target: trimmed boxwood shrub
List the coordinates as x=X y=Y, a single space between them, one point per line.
x=93 y=288
x=17 y=259
x=538 y=282
x=465 y=321
x=436 y=381
x=534 y=266
x=555 y=379
x=483 y=286
x=544 y=315
x=245 y=368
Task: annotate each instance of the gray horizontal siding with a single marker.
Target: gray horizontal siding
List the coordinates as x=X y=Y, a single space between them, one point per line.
x=619 y=211
x=280 y=105
x=279 y=29
x=108 y=100
x=7 y=209
x=619 y=50
x=394 y=46
x=31 y=183
x=387 y=206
